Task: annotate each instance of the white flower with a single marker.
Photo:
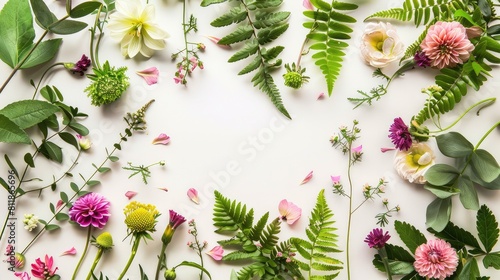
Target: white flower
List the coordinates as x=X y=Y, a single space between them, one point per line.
x=133 y=25
x=30 y=221
x=411 y=165
x=380 y=44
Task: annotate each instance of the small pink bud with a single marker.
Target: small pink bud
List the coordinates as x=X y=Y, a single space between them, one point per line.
x=130 y=194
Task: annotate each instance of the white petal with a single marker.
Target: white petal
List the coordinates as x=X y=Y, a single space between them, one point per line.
x=152 y=43
x=155 y=31
x=134 y=47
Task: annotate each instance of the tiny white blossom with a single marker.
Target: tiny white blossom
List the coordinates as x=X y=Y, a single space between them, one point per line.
x=30 y=221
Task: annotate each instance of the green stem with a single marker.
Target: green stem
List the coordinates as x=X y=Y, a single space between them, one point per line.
x=43 y=75
x=486 y=135
x=160 y=260
x=94 y=59
x=83 y=254
x=94 y=264
x=186 y=71
x=135 y=246
x=348 y=238
x=383 y=255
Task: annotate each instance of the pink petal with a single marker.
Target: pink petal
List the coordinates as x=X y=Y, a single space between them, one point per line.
x=321 y=96
x=150 y=75
x=383 y=150
x=130 y=194
x=289 y=211
x=163 y=139
x=192 y=193
x=335 y=179
x=307 y=178
x=163 y=189
x=216 y=41
x=22 y=275
x=71 y=251
x=59 y=204
x=358 y=149
x=307 y=4
x=216 y=253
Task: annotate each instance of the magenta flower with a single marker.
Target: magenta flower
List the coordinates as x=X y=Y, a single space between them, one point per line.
x=79 y=67
x=91 y=209
x=377 y=238
x=192 y=193
x=175 y=219
x=400 y=135
x=446 y=44
x=435 y=259
x=22 y=275
x=289 y=212
x=421 y=59
x=163 y=139
x=216 y=253
x=150 y=75
x=43 y=270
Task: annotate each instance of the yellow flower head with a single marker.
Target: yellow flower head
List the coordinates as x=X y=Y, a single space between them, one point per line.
x=140 y=217
x=104 y=240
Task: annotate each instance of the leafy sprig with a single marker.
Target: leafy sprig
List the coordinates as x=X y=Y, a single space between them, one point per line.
x=141 y=169
x=258 y=25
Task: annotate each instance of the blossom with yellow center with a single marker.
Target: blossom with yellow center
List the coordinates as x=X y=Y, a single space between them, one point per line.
x=134 y=26
x=411 y=165
x=140 y=217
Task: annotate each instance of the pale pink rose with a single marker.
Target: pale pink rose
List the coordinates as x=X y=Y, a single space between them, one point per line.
x=380 y=44
x=436 y=259
x=446 y=44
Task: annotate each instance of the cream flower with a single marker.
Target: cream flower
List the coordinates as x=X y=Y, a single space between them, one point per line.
x=133 y=25
x=380 y=44
x=411 y=165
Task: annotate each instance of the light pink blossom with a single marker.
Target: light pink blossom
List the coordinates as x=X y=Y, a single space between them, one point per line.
x=43 y=270
x=446 y=44
x=70 y=252
x=436 y=259
x=22 y=275
x=192 y=193
x=335 y=179
x=130 y=194
x=163 y=139
x=307 y=178
x=358 y=149
x=150 y=75
x=289 y=212
x=307 y=4
x=216 y=253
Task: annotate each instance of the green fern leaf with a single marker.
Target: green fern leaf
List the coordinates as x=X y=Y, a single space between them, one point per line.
x=258 y=229
x=205 y=3
x=269 y=238
x=415 y=47
x=329 y=33
x=257 y=26
x=238 y=255
x=228 y=215
x=321 y=241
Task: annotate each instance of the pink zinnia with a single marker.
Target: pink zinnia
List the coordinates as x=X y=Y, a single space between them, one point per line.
x=446 y=44
x=43 y=270
x=90 y=209
x=435 y=259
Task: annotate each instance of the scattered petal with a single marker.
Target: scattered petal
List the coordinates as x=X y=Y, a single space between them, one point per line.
x=216 y=41
x=307 y=4
x=383 y=150
x=289 y=212
x=22 y=275
x=70 y=252
x=216 y=253
x=130 y=194
x=150 y=75
x=163 y=189
x=163 y=139
x=192 y=193
x=59 y=204
x=321 y=96
x=307 y=178
x=358 y=149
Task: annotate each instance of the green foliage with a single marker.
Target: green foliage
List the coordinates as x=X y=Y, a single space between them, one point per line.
x=329 y=32
x=409 y=235
x=421 y=11
x=321 y=241
x=255 y=244
x=258 y=25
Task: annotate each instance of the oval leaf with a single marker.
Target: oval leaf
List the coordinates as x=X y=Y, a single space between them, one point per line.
x=441 y=174
x=468 y=194
x=42 y=13
x=45 y=51
x=485 y=165
x=454 y=145
x=69 y=138
x=438 y=214
x=11 y=132
x=52 y=151
x=84 y=9
x=26 y=113
x=68 y=27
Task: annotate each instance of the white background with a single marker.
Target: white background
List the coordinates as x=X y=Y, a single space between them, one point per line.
x=218 y=120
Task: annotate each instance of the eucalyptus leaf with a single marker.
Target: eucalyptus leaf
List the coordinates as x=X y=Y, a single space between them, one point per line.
x=84 y=9
x=16 y=31
x=69 y=138
x=42 y=13
x=453 y=144
x=485 y=165
x=67 y=27
x=438 y=214
x=468 y=194
x=441 y=174
x=44 y=52
x=11 y=132
x=441 y=191
x=27 y=113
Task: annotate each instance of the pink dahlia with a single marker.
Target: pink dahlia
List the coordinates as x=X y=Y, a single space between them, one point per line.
x=90 y=209
x=446 y=44
x=43 y=270
x=435 y=259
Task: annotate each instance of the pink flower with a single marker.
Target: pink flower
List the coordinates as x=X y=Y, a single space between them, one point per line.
x=84 y=142
x=307 y=4
x=446 y=44
x=192 y=193
x=289 y=212
x=91 y=209
x=377 y=238
x=130 y=194
x=150 y=75
x=358 y=149
x=59 y=204
x=22 y=275
x=321 y=95
x=216 y=253
x=163 y=139
x=435 y=259
x=43 y=270
x=335 y=179
x=307 y=178
x=70 y=252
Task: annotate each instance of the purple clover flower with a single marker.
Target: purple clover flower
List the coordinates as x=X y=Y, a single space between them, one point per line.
x=81 y=66
x=377 y=238
x=421 y=59
x=400 y=135
x=91 y=209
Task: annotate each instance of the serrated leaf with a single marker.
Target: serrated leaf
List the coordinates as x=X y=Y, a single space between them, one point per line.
x=485 y=165
x=438 y=213
x=250 y=48
x=492 y=260
x=270 y=34
x=67 y=26
x=235 y=15
x=458 y=237
x=487 y=228
x=240 y=34
x=411 y=236
x=11 y=132
x=205 y=3
x=27 y=113
x=453 y=144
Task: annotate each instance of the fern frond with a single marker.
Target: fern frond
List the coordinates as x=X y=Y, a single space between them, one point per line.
x=412 y=49
x=258 y=25
x=321 y=241
x=229 y=215
x=421 y=11
x=329 y=31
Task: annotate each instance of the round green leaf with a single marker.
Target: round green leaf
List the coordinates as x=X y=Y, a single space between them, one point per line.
x=441 y=174
x=468 y=194
x=454 y=145
x=485 y=165
x=438 y=214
